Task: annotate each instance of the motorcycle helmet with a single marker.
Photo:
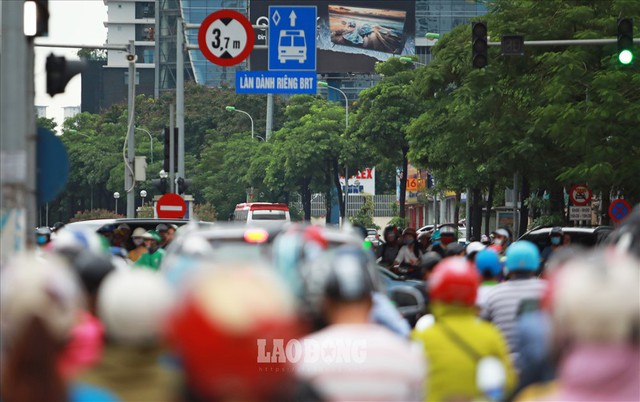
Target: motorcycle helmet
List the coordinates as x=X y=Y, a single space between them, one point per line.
x=454 y=281
x=488 y=263
x=522 y=256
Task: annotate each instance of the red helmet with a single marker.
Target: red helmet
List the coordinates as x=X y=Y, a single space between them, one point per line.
x=226 y=330
x=454 y=280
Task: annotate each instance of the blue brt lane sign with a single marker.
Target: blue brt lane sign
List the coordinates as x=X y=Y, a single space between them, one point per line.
x=276 y=82
x=292 y=38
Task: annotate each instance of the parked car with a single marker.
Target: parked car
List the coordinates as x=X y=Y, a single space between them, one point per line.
x=587 y=237
x=373 y=237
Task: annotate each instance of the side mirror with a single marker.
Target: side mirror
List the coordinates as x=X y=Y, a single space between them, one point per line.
x=409 y=302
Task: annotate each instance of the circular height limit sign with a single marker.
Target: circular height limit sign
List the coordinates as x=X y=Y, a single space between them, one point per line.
x=226 y=38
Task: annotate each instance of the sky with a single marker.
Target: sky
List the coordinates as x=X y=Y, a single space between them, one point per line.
x=71 y=22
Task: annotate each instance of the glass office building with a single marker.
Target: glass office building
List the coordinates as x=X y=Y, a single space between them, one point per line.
x=205 y=72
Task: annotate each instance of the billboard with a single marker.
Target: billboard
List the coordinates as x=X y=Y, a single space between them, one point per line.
x=364 y=182
x=351 y=35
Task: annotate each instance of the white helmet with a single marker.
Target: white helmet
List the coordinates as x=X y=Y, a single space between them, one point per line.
x=134 y=304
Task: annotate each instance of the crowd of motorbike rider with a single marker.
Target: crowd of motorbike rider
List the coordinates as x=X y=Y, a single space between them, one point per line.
x=311 y=321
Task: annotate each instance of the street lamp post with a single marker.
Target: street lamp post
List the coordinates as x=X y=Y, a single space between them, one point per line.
x=233 y=109
x=116 y=195
x=150 y=139
x=346 y=100
x=346 y=168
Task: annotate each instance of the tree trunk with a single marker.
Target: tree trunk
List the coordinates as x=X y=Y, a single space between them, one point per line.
x=328 y=197
x=305 y=192
x=487 y=222
x=524 y=209
x=606 y=203
x=456 y=211
x=476 y=213
x=403 y=182
x=557 y=201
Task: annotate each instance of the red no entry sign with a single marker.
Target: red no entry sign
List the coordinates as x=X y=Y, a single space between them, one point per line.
x=226 y=37
x=171 y=206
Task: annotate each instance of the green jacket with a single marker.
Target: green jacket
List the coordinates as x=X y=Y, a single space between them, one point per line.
x=452 y=371
x=152 y=261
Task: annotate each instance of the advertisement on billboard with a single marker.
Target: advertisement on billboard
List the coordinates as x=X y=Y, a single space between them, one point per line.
x=364 y=182
x=351 y=35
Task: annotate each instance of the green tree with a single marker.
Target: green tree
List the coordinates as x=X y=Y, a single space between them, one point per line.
x=383 y=115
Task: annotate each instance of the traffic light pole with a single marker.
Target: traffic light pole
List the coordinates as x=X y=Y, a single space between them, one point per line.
x=567 y=42
x=129 y=177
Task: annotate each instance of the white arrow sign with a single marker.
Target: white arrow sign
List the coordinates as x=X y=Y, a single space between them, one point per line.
x=292 y=18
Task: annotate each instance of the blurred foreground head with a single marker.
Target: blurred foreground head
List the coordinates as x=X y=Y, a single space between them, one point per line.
x=626 y=238
x=40 y=301
x=134 y=305
x=596 y=299
x=32 y=288
x=230 y=318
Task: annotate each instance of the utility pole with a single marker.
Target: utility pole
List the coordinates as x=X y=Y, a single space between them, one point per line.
x=180 y=94
x=269 y=116
x=18 y=209
x=172 y=145
x=129 y=182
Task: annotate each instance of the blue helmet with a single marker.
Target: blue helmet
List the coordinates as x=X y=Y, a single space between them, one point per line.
x=487 y=260
x=523 y=256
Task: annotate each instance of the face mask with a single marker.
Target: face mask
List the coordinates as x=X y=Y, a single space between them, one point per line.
x=137 y=241
x=498 y=242
x=555 y=241
x=41 y=240
x=409 y=242
x=152 y=249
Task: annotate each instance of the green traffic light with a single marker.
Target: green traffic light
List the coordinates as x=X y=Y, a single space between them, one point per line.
x=625 y=57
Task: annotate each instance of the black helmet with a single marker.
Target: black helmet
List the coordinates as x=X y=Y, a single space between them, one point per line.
x=92 y=268
x=454 y=248
x=347 y=273
x=57 y=226
x=390 y=229
x=429 y=260
x=556 y=231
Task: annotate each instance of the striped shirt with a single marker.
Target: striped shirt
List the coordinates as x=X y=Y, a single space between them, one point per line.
x=504 y=301
x=363 y=362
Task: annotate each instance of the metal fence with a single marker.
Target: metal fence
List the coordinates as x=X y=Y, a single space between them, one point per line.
x=384 y=205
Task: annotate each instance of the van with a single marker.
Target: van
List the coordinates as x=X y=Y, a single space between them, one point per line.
x=262 y=212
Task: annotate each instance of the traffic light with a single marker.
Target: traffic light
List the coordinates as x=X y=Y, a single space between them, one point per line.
x=625 y=40
x=36 y=18
x=167 y=149
x=60 y=71
x=161 y=185
x=183 y=185
x=479 y=44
